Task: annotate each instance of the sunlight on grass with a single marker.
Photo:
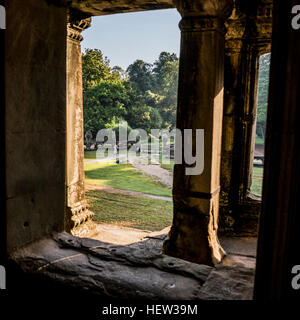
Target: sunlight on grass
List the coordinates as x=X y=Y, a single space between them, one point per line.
x=123 y=176
x=257 y=180
x=135 y=212
x=169 y=167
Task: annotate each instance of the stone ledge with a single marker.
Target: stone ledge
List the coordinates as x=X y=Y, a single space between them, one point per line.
x=98 y=7
x=137 y=271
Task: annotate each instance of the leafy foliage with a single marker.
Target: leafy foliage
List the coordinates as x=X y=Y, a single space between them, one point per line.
x=263 y=89
x=95 y=68
x=145 y=96
x=104 y=103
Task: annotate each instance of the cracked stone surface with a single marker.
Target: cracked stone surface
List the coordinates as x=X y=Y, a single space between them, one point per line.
x=136 y=271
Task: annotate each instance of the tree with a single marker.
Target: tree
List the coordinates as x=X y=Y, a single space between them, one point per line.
x=168 y=90
x=104 y=104
x=95 y=68
x=263 y=89
x=144 y=117
x=122 y=74
x=116 y=125
x=145 y=96
x=160 y=67
x=140 y=76
x=155 y=86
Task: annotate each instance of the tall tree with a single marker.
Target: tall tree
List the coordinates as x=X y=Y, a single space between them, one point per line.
x=103 y=104
x=140 y=76
x=168 y=91
x=263 y=90
x=95 y=68
x=160 y=67
x=145 y=96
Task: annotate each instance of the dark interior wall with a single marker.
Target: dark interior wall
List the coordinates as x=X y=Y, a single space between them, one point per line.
x=2 y=147
x=35 y=90
x=279 y=236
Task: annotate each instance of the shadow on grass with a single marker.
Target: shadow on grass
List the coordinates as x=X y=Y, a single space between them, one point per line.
x=123 y=176
x=130 y=211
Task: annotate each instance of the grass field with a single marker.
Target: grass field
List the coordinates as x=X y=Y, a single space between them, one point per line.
x=169 y=166
x=123 y=176
x=139 y=182
x=128 y=211
x=123 y=210
x=257 y=179
x=259 y=140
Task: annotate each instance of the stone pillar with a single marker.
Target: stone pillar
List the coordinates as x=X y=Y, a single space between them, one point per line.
x=35 y=121
x=233 y=47
x=248 y=36
x=78 y=214
x=278 y=256
x=193 y=235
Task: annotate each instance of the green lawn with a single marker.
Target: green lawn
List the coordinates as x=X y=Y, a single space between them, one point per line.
x=123 y=176
x=169 y=166
x=257 y=179
x=128 y=211
x=259 y=140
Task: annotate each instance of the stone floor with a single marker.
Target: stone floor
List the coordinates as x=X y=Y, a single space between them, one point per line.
x=129 y=265
x=241 y=252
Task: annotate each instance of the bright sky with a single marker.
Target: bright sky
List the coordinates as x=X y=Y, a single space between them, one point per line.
x=124 y=38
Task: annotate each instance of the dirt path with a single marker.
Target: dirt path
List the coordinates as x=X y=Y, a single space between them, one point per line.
x=125 y=192
x=156 y=171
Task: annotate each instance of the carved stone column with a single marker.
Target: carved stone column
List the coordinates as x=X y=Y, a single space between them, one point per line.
x=248 y=36
x=193 y=235
x=78 y=214
x=235 y=26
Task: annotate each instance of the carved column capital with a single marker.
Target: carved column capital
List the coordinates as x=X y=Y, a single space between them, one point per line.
x=264 y=26
x=76 y=25
x=204 y=8
x=252 y=26
x=196 y=24
x=235 y=30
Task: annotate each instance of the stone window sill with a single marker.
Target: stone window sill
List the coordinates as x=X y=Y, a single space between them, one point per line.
x=137 y=271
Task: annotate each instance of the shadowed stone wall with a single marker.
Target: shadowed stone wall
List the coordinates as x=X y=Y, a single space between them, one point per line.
x=35 y=120
x=279 y=236
x=248 y=36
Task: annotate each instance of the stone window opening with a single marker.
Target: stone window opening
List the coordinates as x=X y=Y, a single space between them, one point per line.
x=85 y=262
x=79 y=216
x=205 y=193
x=256 y=176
